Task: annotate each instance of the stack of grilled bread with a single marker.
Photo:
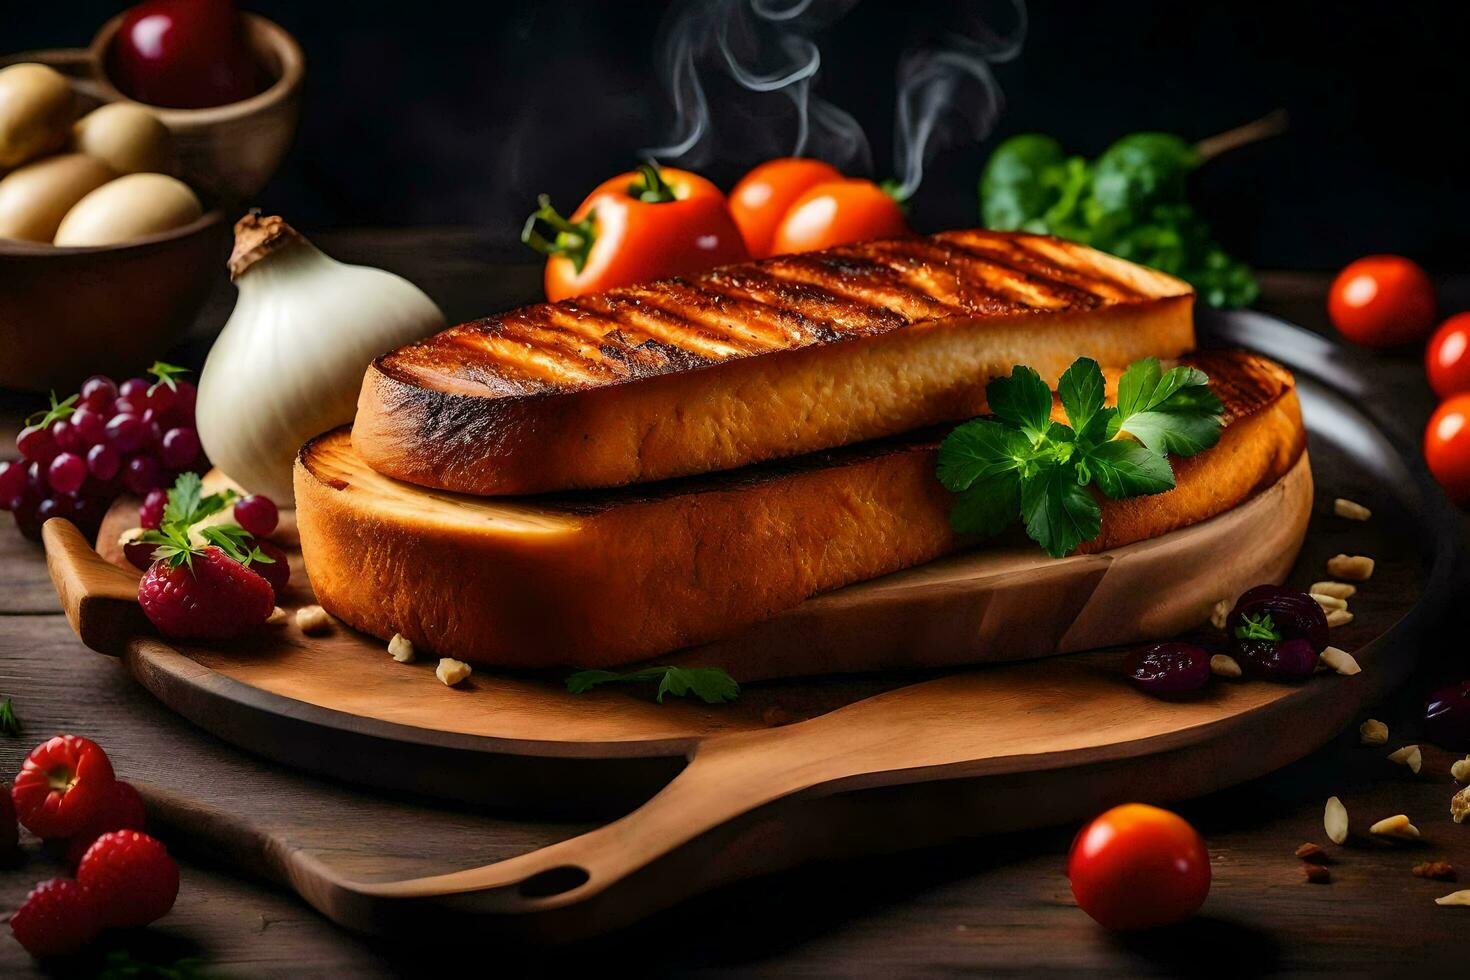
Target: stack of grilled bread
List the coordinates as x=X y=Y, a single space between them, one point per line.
x=707 y=468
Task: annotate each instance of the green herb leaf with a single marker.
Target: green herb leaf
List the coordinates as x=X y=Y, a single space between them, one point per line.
x=981 y=450
x=1081 y=390
x=9 y=724
x=1257 y=627
x=57 y=411
x=710 y=684
x=1123 y=468
x=1059 y=512
x=167 y=374
x=1022 y=400
x=236 y=542
x=1168 y=411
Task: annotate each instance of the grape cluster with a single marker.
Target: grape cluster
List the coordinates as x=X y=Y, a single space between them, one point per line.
x=106 y=440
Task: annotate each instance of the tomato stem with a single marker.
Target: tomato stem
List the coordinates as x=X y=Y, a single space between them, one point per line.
x=894 y=189
x=649 y=186
x=569 y=239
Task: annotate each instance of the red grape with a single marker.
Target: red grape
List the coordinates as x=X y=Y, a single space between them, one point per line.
x=12 y=483
x=257 y=514
x=150 y=514
x=179 y=448
x=26 y=517
x=89 y=425
x=135 y=390
x=140 y=474
x=162 y=398
x=36 y=484
x=125 y=432
x=57 y=506
x=183 y=406
x=98 y=392
x=125 y=406
x=139 y=554
x=35 y=444
x=67 y=473
x=66 y=440
x=103 y=462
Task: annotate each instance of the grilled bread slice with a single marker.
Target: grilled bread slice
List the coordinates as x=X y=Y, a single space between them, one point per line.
x=753 y=362
x=613 y=577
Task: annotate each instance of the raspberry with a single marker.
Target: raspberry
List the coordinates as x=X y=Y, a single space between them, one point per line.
x=212 y=598
x=60 y=784
x=120 y=808
x=130 y=877
x=57 y=918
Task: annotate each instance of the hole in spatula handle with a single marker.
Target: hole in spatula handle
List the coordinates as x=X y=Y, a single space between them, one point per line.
x=553 y=881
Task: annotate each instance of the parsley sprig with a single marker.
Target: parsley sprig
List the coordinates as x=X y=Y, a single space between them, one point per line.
x=9 y=723
x=188 y=505
x=710 y=684
x=1022 y=463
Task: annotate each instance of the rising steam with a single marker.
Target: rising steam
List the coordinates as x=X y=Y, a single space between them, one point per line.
x=740 y=53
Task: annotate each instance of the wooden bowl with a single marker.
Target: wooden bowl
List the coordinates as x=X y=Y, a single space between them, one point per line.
x=225 y=152
x=66 y=313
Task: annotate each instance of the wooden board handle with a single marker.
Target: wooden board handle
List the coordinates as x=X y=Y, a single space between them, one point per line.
x=99 y=598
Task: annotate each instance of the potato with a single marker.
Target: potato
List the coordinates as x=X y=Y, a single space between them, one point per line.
x=127 y=208
x=34 y=198
x=36 y=110
x=126 y=137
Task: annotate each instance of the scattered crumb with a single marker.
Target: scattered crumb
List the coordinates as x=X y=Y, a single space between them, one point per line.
x=1316 y=874
x=1338 y=590
x=1220 y=613
x=1335 y=820
x=1340 y=660
x=1313 y=853
x=1461 y=897
x=400 y=648
x=1328 y=602
x=1350 y=509
x=1409 y=756
x=313 y=619
x=1358 y=568
x=1222 y=665
x=1397 y=826
x=277 y=617
x=1461 y=770
x=1339 y=617
x=451 y=671
x=1373 y=732
x=1460 y=805
x=1438 y=870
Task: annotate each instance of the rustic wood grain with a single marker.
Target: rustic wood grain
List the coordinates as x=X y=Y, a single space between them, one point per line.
x=996 y=905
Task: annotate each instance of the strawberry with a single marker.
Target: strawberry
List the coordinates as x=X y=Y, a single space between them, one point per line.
x=58 y=917
x=120 y=808
x=211 y=596
x=60 y=784
x=130 y=877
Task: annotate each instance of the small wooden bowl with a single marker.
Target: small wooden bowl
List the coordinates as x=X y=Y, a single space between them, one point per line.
x=225 y=152
x=66 y=313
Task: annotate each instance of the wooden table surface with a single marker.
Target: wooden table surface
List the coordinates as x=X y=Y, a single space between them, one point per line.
x=985 y=905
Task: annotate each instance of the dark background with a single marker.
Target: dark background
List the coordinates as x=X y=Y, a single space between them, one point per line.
x=455 y=113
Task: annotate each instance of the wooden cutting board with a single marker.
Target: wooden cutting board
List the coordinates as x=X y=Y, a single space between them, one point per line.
x=791 y=772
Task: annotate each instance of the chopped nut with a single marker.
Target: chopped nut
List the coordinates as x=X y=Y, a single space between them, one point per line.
x=1397 y=825
x=277 y=616
x=1409 y=756
x=1316 y=874
x=1438 y=870
x=1461 y=770
x=400 y=648
x=1329 y=602
x=1339 y=617
x=1338 y=590
x=1373 y=732
x=1312 y=852
x=1350 y=509
x=1220 y=613
x=1340 y=661
x=1355 y=567
x=1222 y=665
x=312 y=619
x=1461 y=897
x=1335 y=820
x=1460 y=805
x=451 y=671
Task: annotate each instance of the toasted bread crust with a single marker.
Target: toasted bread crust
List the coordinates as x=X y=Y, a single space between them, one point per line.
x=754 y=362
x=616 y=577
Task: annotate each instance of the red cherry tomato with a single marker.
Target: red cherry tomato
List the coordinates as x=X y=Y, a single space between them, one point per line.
x=1447 y=447
x=763 y=196
x=1382 y=301
x=1137 y=867
x=838 y=213
x=1447 y=358
x=183 y=54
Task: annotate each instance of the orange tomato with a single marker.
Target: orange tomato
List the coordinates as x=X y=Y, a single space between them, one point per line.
x=837 y=213
x=1137 y=867
x=1382 y=301
x=763 y=196
x=651 y=223
x=1447 y=447
x=1447 y=358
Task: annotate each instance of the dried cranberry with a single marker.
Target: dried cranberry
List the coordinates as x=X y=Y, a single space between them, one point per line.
x=1447 y=717
x=1278 y=660
x=1168 y=668
x=1292 y=615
